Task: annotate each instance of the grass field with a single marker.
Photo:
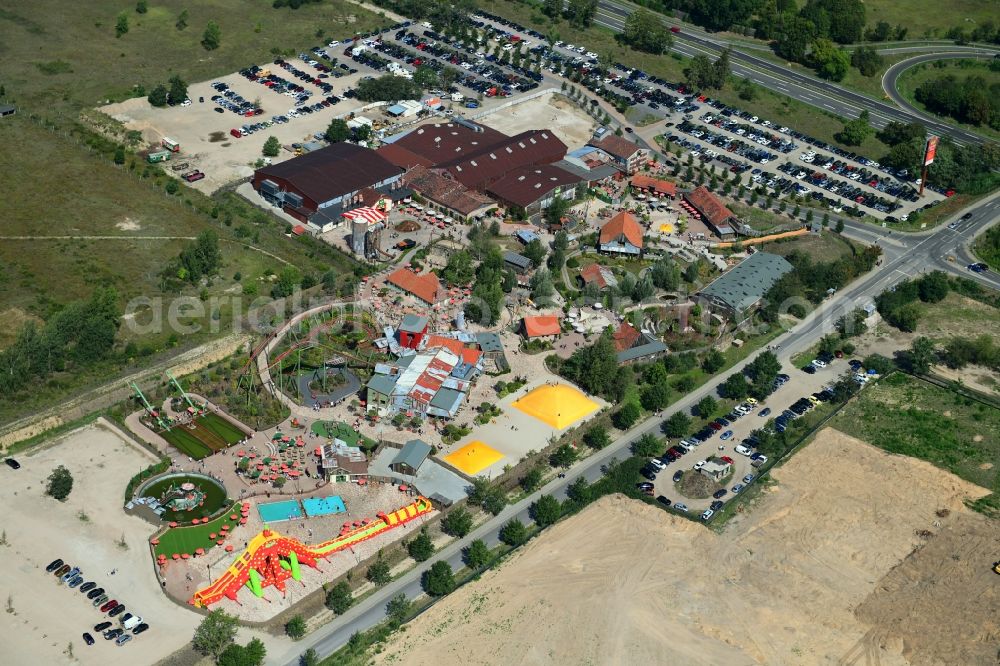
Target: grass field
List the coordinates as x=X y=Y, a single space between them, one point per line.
x=905 y=415
x=825 y=247
x=188 y=539
x=987 y=247
x=767 y=104
x=929 y=19
x=914 y=77
x=957 y=315
x=213 y=433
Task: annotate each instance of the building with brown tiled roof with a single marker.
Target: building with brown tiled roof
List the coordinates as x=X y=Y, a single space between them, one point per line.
x=534 y=188
x=625 y=337
x=713 y=211
x=530 y=148
x=621 y=235
x=655 y=185
x=402 y=157
x=426 y=287
x=626 y=155
x=447 y=194
x=598 y=275
x=448 y=142
x=541 y=326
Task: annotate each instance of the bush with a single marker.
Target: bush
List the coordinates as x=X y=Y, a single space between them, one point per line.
x=60 y=483
x=439 y=580
x=514 y=533
x=296 y=627
x=457 y=523
x=339 y=598
x=421 y=547
x=378 y=573
x=627 y=416
x=477 y=555
x=545 y=511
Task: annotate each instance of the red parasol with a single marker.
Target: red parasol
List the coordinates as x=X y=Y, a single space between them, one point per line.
x=185 y=556
x=176 y=556
x=403 y=487
x=199 y=551
x=241 y=453
x=229 y=548
x=154 y=541
x=212 y=535
x=173 y=524
x=252 y=455
x=243 y=521
x=286 y=438
x=362 y=482
x=232 y=517
x=219 y=542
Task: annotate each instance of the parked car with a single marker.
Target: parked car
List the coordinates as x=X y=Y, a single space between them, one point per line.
x=13 y=464
x=663 y=500
x=764 y=412
x=726 y=435
x=123 y=639
x=716 y=505
x=141 y=628
x=88 y=639
x=720 y=493
x=55 y=564
x=727 y=459
x=93 y=594
x=748 y=478
x=645 y=485
x=678 y=475
x=681 y=506
x=737 y=488
x=98 y=628
x=87 y=587
x=117 y=610
x=112 y=634
x=742 y=450
x=707 y=514
x=61 y=571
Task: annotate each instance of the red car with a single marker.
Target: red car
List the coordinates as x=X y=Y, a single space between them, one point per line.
x=108 y=606
x=727 y=459
x=714 y=426
x=236 y=133
x=674 y=29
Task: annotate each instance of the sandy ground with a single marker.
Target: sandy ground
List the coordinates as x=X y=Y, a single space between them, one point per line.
x=565 y=119
x=48 y=616
x=625 y=583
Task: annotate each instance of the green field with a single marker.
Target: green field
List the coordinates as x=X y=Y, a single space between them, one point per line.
x=214 y=433
x=929 y=19
x=987 y=247
x=188 y=539
x=905 y=415
x=962 y=69
x=957 y=316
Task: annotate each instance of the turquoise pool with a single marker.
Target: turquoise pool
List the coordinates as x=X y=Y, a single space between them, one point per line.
x=275 y=512
x=323 y=506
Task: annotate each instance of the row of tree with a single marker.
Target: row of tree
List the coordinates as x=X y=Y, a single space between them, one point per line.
x=898 y=305
x=968 y=99
x=175 y=92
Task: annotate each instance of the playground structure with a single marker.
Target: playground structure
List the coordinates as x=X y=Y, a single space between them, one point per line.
x=557 y=405
x=154 y=414
x=270 y=558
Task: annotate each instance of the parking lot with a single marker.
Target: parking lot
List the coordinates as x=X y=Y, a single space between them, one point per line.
x=89 y=531
x=799 y=385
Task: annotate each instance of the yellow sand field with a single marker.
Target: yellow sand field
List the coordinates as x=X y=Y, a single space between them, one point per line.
x=560 y=406
x=473 y=458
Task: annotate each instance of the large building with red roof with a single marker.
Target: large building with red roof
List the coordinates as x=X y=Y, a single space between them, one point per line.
x=545 y=327
x=621 y=235
x=713 y=211
x=426 y=287
x=624 y=154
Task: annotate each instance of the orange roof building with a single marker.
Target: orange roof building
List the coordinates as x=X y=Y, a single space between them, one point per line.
x=655 y=185
x=426 y=287
x=541 y=326
x=599 y=275
x=467 y=354
x=625 y=337
x=622 y=235
x=714 y=212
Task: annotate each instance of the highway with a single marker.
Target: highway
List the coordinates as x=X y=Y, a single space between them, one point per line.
x=805 y=88
x=904 y=256
x=891 y=77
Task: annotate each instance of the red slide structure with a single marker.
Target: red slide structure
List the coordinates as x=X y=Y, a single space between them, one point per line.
x=272 y=558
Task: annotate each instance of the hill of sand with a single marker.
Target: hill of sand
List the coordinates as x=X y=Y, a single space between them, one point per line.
x=849 y=559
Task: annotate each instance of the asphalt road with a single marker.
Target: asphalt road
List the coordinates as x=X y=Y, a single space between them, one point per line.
x=904 y=256
x=890 y=79
x=811 y=90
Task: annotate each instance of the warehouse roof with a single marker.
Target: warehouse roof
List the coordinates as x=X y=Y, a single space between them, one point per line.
x=747 y=282
x=526 y=185
x=332 y=171
x=516 y=259
x=655 y=184
x=413 y=453
x=493 y=162
x=541 y=325
x=445 y=191
x=616 y=146
x=622 y=224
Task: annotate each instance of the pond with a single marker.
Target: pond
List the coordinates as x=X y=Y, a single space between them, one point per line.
x=186 y=496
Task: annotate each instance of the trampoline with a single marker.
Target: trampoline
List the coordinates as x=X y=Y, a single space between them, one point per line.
x=323 y=506
x=559 y=406
x=473 y=458
x=275 y=512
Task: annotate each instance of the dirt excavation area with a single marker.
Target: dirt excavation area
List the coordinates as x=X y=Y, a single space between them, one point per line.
x=566 y=120
x=854 y=556
x=89 y=530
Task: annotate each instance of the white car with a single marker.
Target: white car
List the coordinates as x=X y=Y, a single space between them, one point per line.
x=818 y=363
x=753 y=119
x=700 y=464
x=333 y=44
x=591 y=54
x=186 y=102
x=686 y=445
x=708 y=514
x=657 y=464
x=742 y=450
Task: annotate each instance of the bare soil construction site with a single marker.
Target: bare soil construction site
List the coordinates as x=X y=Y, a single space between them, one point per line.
x=854 y=556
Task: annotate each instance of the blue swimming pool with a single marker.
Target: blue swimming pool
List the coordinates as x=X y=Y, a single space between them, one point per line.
x=275 y=512
x=322 y=506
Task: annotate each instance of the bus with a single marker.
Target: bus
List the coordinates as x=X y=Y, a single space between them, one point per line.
x=158 y=156
x=171 y=145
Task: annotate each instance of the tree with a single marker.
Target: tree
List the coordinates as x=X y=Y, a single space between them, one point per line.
x=713 y=361
x=542 y=287
x=852 y=324
x=677 y=425
x=646 y=446
x=272 y=146
x=655 y=396
x=182 y=20
x=545 y=511
x=646 y=32
x=691 y=273
x=60 y=483
x=158 y=95
x=339 y=597
x=536 y=252
x=121 y=25
x=141 y=7
x=514 y=533
x=921 y=356
x=487 y=495
x=579 y=491
x=425 y=77
x=439 y=579
x=735 y=387
x=398 y=608
x=933 y=287
x=457 y=523
x=421 y=547
x=839 y=226
x=597 y=437
x=829 y=61
x=251 y=654
x=378 y=573
x=531 y=479
x=212 y=36
x=309 y=658
x=388 y=88
x=178 y=90
x=868 y=61
x=855 y=131
x=581 y=12
x=215 y=633
x=477 y=555
x=552 y=9
x=665 y=273
x=706 y=407
x=794 y=37
x=564 y=456
x=878 y=363
x=296 y=627
x=626 y=417
x=337 y=131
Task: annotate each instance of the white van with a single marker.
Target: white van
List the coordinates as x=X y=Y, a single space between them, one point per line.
x=131 y=622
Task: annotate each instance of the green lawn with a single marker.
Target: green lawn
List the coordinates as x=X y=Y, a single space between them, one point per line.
x=962 y=69
x=987 y=247
x=188 y=539
x=825 y=247
x=957 y=315
x=223 y=428
x=905 y=415
x=343 y=431
x=929 y=19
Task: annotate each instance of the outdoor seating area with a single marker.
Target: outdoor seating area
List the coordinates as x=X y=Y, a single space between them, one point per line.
x=284 y=460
